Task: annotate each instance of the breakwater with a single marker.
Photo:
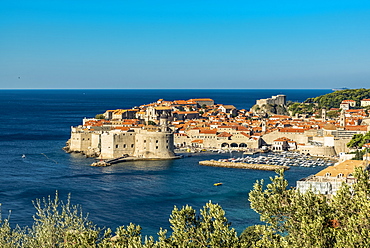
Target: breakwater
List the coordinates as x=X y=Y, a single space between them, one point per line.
x=243 y=165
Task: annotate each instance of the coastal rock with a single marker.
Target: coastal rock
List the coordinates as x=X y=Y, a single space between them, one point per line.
x=100 y=164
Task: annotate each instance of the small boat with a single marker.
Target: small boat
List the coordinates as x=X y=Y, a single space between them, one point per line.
x=23 y=156
x=217 y=184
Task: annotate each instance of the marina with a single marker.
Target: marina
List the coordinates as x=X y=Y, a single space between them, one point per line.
x=280 y=159
x=240 y=165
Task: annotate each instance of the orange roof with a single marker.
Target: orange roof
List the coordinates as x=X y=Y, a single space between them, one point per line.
x=197 y=141
x=182 y=102
x=279 y=116
x=224 y=134
x=208 y=131
x=356 y=128
x=201 y=100
x=163 y=108
x=355 y=110
x=282 y=139
x=122 y=128
x=292 y=130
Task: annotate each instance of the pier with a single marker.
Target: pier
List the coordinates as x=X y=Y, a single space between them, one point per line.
x=243 y=165
x=103 y=163
x=127 y=158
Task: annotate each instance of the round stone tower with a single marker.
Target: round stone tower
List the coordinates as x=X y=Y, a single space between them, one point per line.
x=155 y=145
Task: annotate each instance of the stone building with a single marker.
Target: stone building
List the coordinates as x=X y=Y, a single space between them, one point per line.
x=142 y=143
x=329 y=180
x=274 y=100
x=203 y=101
x=365 y=102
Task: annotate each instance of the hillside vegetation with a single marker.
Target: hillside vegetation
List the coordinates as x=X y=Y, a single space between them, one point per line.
x=328 y=101
x=333 y=100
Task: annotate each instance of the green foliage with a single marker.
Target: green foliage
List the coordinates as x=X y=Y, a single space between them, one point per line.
x=294 y=219
x=332 y=114
x=250 y=236
x=360 y=154
x=302 y=108
x=333 y=100
x=358 y=140
x=151 y=123
x=211 y=229
x=9 y=238
x=59 y=224
x=100 y=116
x=328 y=101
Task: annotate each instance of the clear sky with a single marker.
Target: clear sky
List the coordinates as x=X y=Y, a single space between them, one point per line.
x=184 y=44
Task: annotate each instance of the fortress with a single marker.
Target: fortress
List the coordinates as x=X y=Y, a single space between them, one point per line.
x=274 y=100
x=107 y=143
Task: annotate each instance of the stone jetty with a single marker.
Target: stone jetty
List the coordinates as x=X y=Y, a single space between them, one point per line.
x=243 y=165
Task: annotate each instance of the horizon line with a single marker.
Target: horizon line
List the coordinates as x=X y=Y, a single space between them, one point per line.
x=175 y=88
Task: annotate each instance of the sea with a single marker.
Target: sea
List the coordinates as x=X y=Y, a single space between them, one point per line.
x=37 y=124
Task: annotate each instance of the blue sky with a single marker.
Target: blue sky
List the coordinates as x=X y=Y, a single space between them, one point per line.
x=184 y=44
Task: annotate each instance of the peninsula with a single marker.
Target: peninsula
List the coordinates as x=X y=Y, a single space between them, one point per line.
x=154 y=130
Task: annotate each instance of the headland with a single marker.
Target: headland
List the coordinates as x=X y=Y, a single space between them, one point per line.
x=155 y=130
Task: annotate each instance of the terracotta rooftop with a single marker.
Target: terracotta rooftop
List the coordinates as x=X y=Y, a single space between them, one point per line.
x=224 y=134
x=292 y=130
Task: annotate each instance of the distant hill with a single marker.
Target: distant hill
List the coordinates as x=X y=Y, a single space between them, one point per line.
x=328 y=101
x=333 y=100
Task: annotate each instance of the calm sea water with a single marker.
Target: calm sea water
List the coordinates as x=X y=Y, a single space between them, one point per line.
x=37 y=123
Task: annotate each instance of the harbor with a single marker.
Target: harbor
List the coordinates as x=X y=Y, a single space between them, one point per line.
x=269 y=161
x=285 y=159
x=266 y=167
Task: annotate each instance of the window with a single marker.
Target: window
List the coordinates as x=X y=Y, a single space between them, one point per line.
x=156 y=147
x=144 y=141
x=116 y=146
x=132 y=145
x=124 y=146
x=156 y=141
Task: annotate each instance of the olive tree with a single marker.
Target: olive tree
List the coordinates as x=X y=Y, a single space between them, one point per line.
x=294 y=219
